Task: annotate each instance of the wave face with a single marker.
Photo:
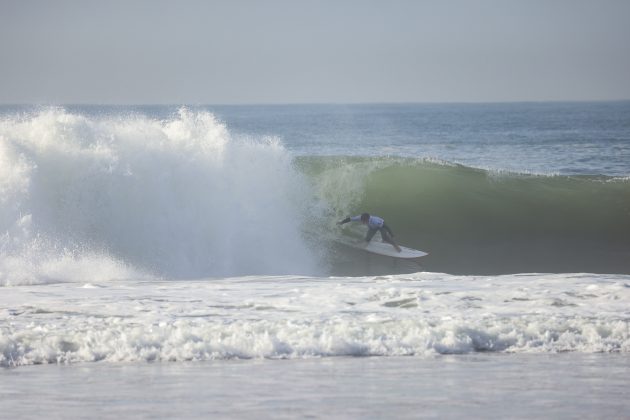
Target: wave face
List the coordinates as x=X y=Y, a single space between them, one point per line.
x=126 y=196
x=475 y=221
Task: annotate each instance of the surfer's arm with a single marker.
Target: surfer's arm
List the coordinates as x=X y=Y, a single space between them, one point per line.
x=349 y=219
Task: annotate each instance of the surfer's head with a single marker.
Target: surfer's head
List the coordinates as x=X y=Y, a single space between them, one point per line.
x=365 y=217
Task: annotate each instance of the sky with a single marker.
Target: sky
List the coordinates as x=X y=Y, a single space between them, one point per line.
x=324 y=51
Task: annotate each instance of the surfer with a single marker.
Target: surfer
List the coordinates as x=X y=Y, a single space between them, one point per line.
x=374 y=224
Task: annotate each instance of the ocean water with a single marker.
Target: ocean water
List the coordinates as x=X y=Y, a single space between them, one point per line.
x=181 y=246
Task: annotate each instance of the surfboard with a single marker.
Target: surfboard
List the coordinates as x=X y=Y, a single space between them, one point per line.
x=383 y=248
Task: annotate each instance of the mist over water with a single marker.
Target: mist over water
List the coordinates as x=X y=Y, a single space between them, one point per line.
x=178 y=198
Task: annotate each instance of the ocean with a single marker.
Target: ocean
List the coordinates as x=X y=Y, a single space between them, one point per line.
x=185 y=261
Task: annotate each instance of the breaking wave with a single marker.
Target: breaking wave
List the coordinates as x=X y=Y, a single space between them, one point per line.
x=129 y=196
x=476 y=221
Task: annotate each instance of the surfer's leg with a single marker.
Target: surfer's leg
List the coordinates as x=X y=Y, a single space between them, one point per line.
x=388 y=239
x=370 y=234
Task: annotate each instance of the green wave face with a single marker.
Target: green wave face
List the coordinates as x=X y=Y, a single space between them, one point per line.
x=474 y=221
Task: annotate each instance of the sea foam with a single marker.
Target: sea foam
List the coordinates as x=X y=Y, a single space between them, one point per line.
x=422 y=314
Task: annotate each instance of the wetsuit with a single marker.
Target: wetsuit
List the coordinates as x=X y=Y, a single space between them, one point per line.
x=375 y=224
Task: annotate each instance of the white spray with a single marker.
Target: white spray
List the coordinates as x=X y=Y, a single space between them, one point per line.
x=129 y=195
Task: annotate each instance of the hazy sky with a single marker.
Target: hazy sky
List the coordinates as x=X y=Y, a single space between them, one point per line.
x=283 y=51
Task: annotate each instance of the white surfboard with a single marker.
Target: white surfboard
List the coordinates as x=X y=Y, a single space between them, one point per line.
x=383 y=248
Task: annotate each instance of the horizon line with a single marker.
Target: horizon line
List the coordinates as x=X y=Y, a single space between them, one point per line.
x=322 y=103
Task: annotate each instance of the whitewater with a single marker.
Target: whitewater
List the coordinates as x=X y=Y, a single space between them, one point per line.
x=124 y=196
x=291 y=317
x=205 y=238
